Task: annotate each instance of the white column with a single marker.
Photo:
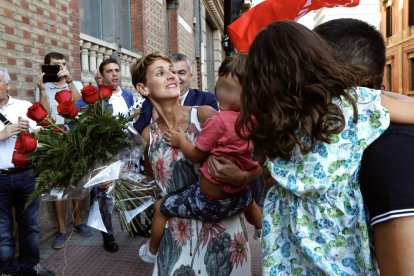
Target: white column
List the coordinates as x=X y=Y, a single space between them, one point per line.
x=92 y=59
x=100 y=56
x=108 y=53
x=123 y=59
x=85 y=56
x=128 y=67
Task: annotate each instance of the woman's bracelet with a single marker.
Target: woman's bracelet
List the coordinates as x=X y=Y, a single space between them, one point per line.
x=69 y=81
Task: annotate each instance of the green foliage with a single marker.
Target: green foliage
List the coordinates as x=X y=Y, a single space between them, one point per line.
x=63 y=158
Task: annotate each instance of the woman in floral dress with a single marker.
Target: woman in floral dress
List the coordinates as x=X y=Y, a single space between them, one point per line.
x=311 y=122
x=188 y=246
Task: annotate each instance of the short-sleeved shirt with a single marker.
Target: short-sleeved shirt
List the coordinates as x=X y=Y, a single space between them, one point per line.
x=219 y=137
x=12 y=111
x=51 y=91
x=314 y=220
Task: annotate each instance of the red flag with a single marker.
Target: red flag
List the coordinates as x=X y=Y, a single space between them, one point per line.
x=243 y=31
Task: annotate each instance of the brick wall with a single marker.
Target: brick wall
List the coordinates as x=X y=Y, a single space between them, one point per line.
x=137 y=25
x=28 y=31
x=186 y=44
x=154 y=16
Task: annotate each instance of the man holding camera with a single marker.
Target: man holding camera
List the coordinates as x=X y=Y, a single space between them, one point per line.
x=47 y=90
x=45 y=94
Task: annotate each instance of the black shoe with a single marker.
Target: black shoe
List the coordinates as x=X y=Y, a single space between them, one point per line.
x=38 y=270
x=110 y=243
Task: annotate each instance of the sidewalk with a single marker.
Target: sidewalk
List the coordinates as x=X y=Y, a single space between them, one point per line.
x=86 y=256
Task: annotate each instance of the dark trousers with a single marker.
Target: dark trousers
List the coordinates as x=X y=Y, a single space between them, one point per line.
x=106 y=207
x=14 y=192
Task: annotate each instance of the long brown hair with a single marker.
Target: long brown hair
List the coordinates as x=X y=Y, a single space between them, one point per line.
x=292 y=78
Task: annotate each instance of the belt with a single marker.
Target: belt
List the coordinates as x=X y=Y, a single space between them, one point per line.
x=12 y=171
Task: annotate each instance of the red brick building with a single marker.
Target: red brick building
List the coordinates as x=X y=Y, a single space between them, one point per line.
x=397 y=27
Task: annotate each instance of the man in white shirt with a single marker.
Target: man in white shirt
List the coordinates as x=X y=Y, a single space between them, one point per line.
x=16 y=184
x=46 y=95
x=121 y=101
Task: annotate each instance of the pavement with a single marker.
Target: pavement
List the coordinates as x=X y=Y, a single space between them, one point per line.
x=86 y=255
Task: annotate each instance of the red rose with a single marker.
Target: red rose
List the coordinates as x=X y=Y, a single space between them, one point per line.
x=90 y=94
x=46 y=122
x=105 y=91
x=63 y=96
x=37 y=112
x=67 y=109
x=25 y=143
x=21 y=160
x=60 y=128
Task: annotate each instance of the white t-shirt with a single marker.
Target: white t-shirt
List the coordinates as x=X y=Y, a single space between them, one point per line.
x=119 y=105
x=183 y=97
x=51 y=91
x=12 y=111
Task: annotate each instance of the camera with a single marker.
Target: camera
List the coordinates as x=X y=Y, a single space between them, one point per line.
x=51 y=72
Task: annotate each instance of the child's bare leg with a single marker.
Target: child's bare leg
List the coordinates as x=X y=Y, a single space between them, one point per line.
x=253 y=215
x=157 y=228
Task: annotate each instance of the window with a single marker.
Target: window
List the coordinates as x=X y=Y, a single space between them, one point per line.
x=388 y=77
x=388 y=21
x=410 y=13
x=109 y=20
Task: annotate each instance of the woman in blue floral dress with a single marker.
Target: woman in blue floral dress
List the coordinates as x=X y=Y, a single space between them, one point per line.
x=188 y=247
x=311 y=123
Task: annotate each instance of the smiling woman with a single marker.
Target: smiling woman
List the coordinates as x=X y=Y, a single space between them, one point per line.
x=188 y=245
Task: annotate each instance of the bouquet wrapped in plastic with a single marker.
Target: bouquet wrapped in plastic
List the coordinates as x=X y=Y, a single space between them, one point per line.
x=94 y=147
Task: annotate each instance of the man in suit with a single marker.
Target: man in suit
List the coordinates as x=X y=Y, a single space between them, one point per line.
x=188 y=96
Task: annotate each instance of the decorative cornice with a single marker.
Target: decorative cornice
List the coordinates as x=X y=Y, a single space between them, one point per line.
x=216 y=9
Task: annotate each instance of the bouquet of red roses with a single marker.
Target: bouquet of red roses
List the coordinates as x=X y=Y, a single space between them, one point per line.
x=94 y=147
x=63 y=155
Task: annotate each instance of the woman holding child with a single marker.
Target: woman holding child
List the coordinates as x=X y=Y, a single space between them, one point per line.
x=206 y=248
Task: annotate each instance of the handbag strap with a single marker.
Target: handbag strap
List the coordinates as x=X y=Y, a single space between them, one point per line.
x=4 y=119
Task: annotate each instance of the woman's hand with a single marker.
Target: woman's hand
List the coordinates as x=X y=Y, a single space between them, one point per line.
x=174 y=138
x=226 y=171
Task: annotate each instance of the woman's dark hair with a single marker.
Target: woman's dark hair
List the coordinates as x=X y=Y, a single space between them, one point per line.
x=139 y=68
x=234 y=66
x=292 y=78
